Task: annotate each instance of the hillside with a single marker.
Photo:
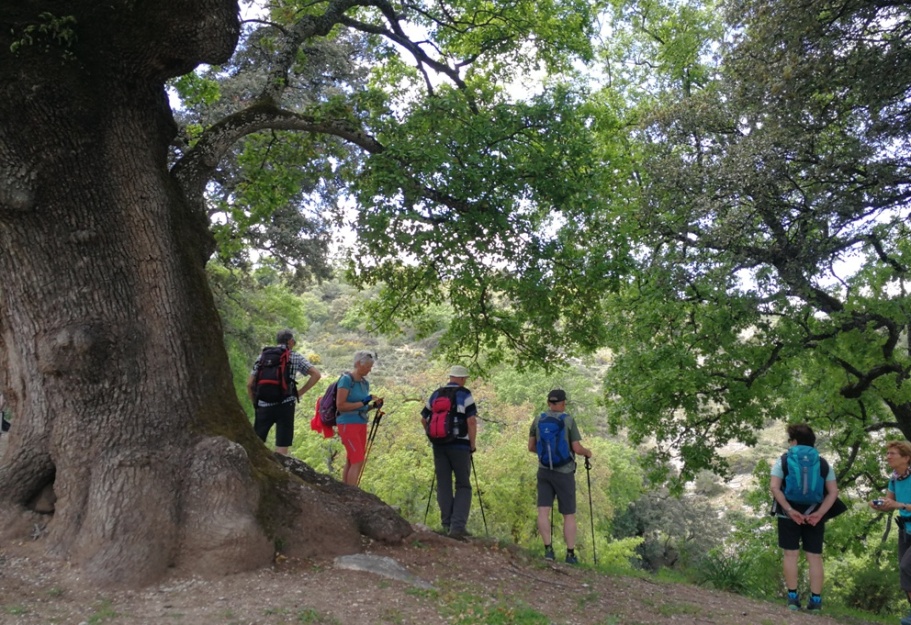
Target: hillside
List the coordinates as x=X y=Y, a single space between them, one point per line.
x=473 y=582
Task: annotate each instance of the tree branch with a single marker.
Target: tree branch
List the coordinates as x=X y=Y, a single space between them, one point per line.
x=195 y=169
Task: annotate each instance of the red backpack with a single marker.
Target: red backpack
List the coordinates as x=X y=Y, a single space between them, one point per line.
x=443 y=425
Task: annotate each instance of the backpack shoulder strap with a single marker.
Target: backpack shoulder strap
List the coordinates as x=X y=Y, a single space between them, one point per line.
x=784 y=465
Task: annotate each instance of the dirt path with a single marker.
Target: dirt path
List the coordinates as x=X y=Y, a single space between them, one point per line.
x=473 y=582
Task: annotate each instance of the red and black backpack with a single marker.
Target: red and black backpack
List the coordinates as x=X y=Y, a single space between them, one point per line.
x=444 y=423
x=274 y=383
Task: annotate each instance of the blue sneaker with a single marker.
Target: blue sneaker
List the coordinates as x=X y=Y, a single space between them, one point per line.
x=793 y=601
x=549 y=553
x=906 y=620
x=572 y=559
x=815 y=604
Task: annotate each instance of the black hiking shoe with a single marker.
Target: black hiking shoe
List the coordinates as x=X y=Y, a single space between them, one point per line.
x=571 y=558
x=459 y=534
x=549 y=553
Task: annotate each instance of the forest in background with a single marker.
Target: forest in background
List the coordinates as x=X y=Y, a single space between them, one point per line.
x=714 y=532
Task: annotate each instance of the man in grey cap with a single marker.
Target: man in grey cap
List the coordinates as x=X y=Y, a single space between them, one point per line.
x=450 y=420
x=555 y=438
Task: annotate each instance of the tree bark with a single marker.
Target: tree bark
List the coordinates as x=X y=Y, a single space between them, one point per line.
x=111 y=348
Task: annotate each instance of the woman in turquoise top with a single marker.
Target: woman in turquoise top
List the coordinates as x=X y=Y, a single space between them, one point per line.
x=898 y=497
x=353 y=401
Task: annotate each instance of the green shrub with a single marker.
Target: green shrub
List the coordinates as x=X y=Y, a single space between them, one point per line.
x=726 y=571
x=873 y=589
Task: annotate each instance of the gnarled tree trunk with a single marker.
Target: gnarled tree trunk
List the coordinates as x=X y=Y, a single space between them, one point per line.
x=111 y=349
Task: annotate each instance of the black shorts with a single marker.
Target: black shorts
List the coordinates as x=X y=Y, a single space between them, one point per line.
x=279 y=415
x=560 y=485
x=791 y=535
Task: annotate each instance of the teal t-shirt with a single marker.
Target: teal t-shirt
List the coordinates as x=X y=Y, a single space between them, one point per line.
x=902 y=491
x=358 y=390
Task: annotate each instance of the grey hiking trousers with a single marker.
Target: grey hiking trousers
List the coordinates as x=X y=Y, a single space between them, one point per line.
x=449 y=460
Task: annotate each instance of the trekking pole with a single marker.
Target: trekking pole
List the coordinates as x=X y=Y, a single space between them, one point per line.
x=480 y=501
x=591 y=513
x=433 y=482
x=374 y=426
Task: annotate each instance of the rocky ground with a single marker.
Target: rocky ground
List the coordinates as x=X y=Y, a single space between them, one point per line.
x=473 y=582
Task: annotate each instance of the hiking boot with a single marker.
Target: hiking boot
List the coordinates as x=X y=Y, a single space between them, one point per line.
x=793 y=601
x=814 y=604
x=572 y=559
x=549 y=553
x=459 y=534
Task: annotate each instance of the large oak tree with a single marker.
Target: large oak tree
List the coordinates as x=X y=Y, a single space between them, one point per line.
x=111 y=349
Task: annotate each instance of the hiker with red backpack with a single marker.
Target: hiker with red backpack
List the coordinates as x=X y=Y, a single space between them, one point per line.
x=272 y=388
x=803 y=486
x=353 y=400
x=555 y=438
x=450 y=420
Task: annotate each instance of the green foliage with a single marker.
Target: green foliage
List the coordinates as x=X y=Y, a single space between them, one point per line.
x=771 y=277
x=496 y=308
x=15 y=610
x=675 y=531
x=470 y=610
x=619 y=556
x=103 y=613
x=726 y=571
x=51 y=32
x=197 y=90
x=867 y=585
x=309 y=615
x=253 y=309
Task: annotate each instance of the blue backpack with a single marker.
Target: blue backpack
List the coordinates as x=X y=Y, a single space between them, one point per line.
x=552 y=441
x=804 y=475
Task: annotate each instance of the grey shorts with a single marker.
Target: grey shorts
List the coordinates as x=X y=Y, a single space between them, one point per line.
x=560 y=485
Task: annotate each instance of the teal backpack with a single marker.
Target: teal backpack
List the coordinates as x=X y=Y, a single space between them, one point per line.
x=804 y=475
